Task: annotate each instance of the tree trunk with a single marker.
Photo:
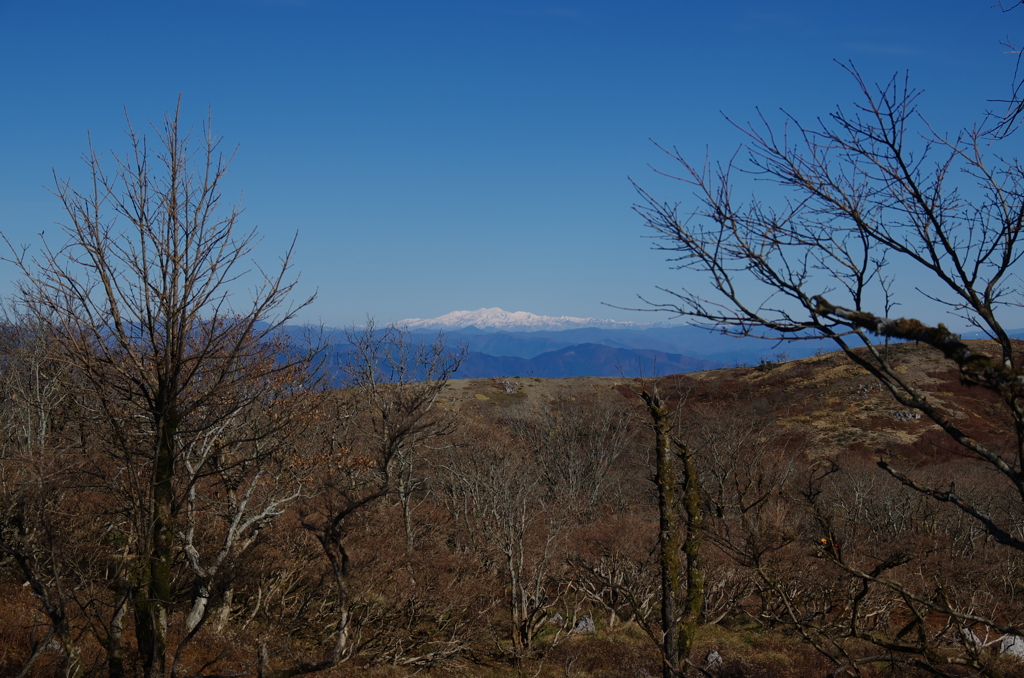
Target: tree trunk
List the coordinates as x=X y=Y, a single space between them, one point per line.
x=199 y=604
x=223 y=612
x=691 y=548
x=153 y=604
x=517 y=610
x=115 y=639
x=668 y=533
x=330 y=539
x=404 y=487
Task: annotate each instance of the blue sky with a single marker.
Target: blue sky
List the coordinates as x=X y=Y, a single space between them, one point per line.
x=439 y=156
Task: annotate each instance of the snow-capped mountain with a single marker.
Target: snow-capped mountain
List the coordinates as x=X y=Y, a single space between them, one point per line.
x=497 y=319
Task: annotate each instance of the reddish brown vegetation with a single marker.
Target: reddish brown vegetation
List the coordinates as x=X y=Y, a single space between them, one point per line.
x=538 y=509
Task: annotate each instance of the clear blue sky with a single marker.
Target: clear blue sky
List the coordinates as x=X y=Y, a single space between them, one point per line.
x=438 y=156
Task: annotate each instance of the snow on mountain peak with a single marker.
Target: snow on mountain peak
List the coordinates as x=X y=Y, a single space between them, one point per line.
x=497 y=319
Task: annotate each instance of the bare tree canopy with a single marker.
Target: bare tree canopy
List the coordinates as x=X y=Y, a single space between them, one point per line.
x=190 y=392
x=868 y=204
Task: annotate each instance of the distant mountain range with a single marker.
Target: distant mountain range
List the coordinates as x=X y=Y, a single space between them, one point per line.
x=503 y=344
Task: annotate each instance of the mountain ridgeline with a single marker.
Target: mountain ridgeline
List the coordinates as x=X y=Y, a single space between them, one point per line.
x=600 y=352
x=500 y=344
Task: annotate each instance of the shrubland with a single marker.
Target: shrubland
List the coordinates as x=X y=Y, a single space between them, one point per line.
x=516 y=533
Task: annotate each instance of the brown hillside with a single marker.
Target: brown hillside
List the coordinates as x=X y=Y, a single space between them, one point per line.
x=525 y=507
x=828 y=400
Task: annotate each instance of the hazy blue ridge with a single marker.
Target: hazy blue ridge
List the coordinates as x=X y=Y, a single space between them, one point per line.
x=583 y=360
x=684 y=340
x=596 y=352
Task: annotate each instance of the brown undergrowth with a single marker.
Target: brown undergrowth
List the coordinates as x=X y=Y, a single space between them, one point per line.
x=538 y=511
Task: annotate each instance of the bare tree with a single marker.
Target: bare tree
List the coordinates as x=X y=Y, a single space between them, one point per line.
x=36 y=473
x=678 y=626
x=139 y=301
x=746 y=463
x=577 y=439
x=370 y=431
x=395 y=382
x=870 y=189
x=495 y=488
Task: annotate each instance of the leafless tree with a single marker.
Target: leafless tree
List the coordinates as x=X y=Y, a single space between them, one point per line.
x=869 y=190
x=36 y=394
x=577 y=438
x=495 y=488
x=622 y=577
x=140 y=303
x=371 y=431
x=396 y=380
x=746 y=463
x=682 y=587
